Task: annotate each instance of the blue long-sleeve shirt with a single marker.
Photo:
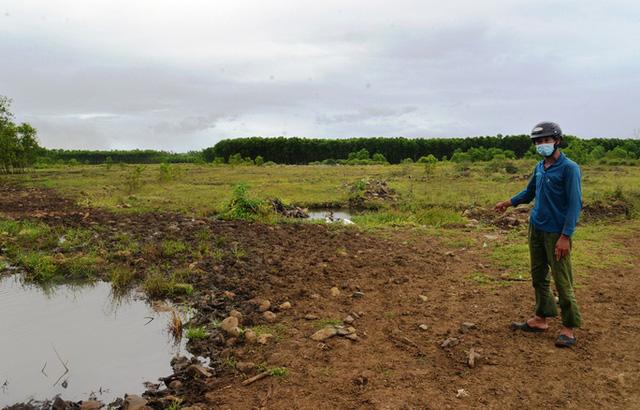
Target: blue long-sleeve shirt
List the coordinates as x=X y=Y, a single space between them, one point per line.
x=558 y=196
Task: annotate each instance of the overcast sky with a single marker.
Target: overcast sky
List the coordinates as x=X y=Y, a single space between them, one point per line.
x=181 y=75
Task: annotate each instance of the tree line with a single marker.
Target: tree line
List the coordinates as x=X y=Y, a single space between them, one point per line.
x=18 y=143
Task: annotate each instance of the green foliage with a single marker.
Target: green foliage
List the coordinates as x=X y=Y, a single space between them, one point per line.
x=158 y=285
x=197 y=333
x=278 y=371
x=18 y=143
x=241 y=206
x=171 y=248
x=259 y=161
x=167 y=173
x=133 y=179
x=121 y=277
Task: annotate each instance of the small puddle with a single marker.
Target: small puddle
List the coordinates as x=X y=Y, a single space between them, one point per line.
x=330 y=216
x=109 y=345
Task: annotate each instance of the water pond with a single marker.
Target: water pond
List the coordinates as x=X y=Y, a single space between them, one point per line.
x=79 y=341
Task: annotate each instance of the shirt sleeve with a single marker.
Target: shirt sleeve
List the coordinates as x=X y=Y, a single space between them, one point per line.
x=527 y=195
x=573 y=192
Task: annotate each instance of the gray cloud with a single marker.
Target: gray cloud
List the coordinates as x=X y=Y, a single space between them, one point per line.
x=114 y=76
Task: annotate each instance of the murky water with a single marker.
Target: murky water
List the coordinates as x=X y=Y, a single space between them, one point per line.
x=109 y=345
x=330 y=215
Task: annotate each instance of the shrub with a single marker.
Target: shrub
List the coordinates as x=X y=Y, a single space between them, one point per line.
x=241 y=206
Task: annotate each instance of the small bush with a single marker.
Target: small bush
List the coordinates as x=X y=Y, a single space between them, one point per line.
x=241 y=206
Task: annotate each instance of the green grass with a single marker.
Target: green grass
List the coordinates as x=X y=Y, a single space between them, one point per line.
x=319 y=324
x=157 y=285
x=171 y=248
x=197 y=333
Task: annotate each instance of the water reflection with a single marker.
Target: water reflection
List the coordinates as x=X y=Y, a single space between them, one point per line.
x=77 y=340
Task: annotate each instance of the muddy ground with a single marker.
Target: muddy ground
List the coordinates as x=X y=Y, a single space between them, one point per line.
x=390 y=283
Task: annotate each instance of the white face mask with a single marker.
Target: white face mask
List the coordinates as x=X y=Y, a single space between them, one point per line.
x=546 y=149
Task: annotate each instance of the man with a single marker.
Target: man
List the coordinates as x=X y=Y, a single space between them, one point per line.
x=555 y=185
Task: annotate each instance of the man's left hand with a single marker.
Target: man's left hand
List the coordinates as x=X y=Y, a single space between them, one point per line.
x=563 y=246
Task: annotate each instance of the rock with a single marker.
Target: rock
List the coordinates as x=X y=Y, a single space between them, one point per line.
x=285 y=306
x=175 y=385
x=449 y=342
x=423 y=298
x=491 y=237
x=230 y=326
x=237 y=315
x=324 y=333
x=451 y=254
x=462 y=393
x=231 y=342
x=311 y=317
x=245 y=367
x=352 y=336
x=314 y=296
x=348 y=320
x=269 y=316
x=342 y=331
x=423 y=327
x=473 y=358
x=135 y=402
x=264 y=338
x=264 y=305
x=250 y=336
x=357 y=295
x=198 y=371
x=334 y=292
x=90 y=405
x=194 y=407
x=466 y=326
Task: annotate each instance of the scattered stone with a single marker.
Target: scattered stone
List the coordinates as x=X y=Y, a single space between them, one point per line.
x=236 y=314
x=462 y=393
x=357 y=315
x=264 y=305
x=357 y=295
x=269 y=316
x=230 y=326
x=212 y=396
x=348 y=320
x=250 y=336
x=353 y=337
x=335 y=292
x=449 y=342
x=194 y=407
x=263 y=339
x=423 y=298
x=245 y=367
x=197 y=370
x=314 y=296
x=91 y=405
x=324 y=333
x=285 y=306
x=231 y=342
x=135 y=402
x=467 y=326
x=491 y=237
x=175 y=385
x=423 y=327
x=474 y=356
x=451 y=254
x=310 y=317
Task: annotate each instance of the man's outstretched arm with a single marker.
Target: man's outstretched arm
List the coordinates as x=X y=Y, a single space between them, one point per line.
x=523 y=197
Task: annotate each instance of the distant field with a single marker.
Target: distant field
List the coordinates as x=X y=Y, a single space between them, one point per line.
x=204 y=189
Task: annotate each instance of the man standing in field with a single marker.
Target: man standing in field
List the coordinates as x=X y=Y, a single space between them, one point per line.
x=555 y=185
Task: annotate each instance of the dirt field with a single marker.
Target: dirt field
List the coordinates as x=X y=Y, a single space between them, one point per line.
x=389 y=282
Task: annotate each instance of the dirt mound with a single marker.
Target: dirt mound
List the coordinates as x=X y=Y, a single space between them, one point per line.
x=288 y=211
x=512 y=218
x=367 y=192
x=605 y=209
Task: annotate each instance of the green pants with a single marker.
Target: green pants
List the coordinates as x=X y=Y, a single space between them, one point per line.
x=542 y=250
